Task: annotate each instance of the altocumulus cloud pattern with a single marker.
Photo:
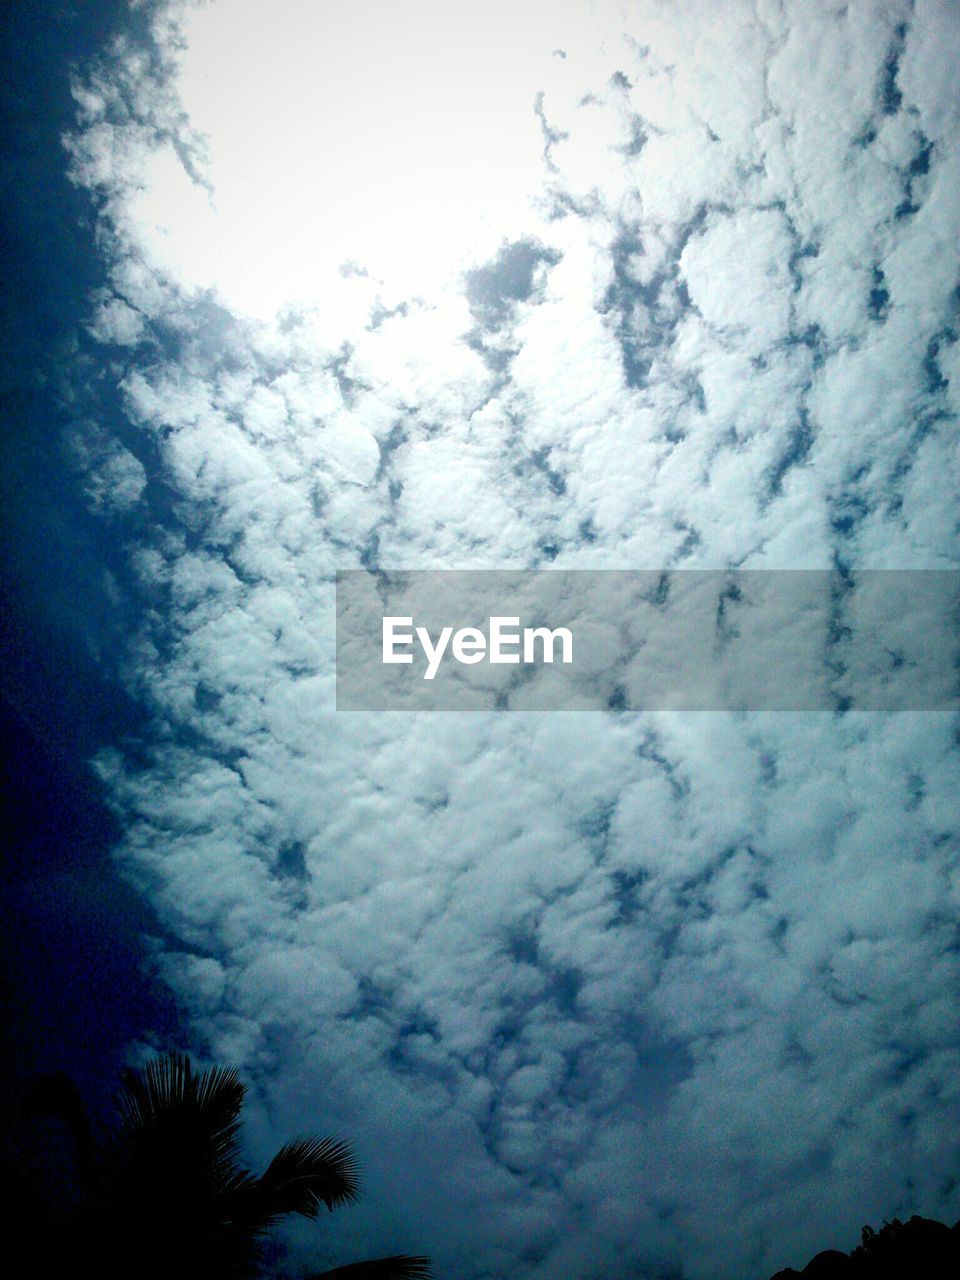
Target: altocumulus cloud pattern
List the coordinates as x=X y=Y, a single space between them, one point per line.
x=645 y=286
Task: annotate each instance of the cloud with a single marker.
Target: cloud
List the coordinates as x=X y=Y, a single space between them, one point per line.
x=589 y=992
x=115 y=478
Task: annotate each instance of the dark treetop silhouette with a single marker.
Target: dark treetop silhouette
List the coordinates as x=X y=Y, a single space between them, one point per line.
x=163 y=1193
x=920 y=1249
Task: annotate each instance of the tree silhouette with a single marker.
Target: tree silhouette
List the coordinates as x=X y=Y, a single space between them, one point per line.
x=164 y=1194
x=921 y=1248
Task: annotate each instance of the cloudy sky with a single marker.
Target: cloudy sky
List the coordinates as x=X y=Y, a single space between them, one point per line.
x=509 y=286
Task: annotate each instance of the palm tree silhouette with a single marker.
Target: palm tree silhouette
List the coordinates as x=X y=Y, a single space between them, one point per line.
x=165 y=1194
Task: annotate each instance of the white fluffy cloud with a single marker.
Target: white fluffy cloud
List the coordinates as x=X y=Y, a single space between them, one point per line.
x=587 y=992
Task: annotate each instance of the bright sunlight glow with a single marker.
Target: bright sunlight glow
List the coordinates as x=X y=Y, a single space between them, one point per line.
x=397 y=135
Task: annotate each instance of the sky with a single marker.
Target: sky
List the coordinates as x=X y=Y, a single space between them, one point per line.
x=311 y=287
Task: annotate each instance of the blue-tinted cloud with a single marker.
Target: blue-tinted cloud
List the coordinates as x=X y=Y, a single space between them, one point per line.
x=589 y=992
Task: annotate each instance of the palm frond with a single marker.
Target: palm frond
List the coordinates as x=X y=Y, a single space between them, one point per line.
x=170 y=1084
x=402 y=1267
x=169 y=1097
x=302 y=1175
x=169 y=1189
